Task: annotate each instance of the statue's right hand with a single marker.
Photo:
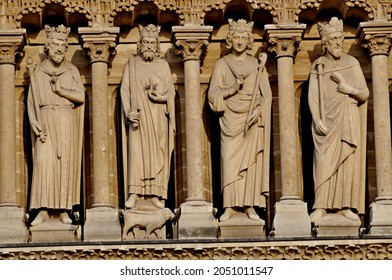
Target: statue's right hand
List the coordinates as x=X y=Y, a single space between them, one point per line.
x=321 y=129
x=238 y=84
x=133 y=117
x=38 y=130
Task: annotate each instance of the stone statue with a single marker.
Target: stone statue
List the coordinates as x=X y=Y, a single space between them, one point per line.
x=337 y=100
x=240 y=92
x=55 y=109
x=147 y=96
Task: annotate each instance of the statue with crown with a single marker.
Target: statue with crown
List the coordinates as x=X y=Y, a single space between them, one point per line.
x=338 y=102
x=240 y=93
x=55 y=110
x=148 y=126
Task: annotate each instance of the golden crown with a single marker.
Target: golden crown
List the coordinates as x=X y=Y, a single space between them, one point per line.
x=334 y=25
x=241 y=25
x=58 y=32
x=149 y=31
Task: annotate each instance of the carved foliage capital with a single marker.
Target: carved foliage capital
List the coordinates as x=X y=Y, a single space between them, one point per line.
x=8 y=52
x=99 y=51
x=191 y=49
x=378 y=44
x=284 y=46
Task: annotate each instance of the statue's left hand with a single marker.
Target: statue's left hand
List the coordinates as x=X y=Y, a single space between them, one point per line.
x=55 y=84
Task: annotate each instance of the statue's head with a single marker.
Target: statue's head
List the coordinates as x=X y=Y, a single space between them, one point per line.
x=240 y=37
x=148 y=46
x=332 y=36
x=56 y=44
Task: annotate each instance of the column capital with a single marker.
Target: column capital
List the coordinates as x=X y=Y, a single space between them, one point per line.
x=376 y=37
x=12 y=42
x=284 y=40
x=191 y=40
x=99 y=43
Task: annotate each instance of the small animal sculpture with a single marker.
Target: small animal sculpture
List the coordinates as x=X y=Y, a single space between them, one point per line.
x=149 y=221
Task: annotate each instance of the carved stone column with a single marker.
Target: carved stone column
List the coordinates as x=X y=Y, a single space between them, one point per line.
x=377 y=37
x=196 y=214
x=291 y=216
x=12 y=226
x=102 y=220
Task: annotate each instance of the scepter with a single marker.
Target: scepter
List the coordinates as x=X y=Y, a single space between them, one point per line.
x=320 y=74
x=31 y=69
x=260 y=68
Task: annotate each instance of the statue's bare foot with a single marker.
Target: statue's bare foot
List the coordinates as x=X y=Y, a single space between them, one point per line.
x=317 y=214
x=349 y=214
x=131 y=201
x=40 y=218
x=64 y=218
x=157 y=203
x=227 y=214
x=250 y=211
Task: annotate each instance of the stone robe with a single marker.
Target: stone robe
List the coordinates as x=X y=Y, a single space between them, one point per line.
x=147 y=149
x=57 y=161
x=244 y=159
x=339 y=157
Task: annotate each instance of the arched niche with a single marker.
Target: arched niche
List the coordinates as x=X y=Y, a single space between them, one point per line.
x=351 y=11
x=260 y=12
x=146 y=12
x=53 y=12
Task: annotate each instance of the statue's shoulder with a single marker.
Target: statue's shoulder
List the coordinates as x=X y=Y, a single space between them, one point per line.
x=349 y=59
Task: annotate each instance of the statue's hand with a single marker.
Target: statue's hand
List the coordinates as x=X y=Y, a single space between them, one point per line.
x=38 y=130
x=346 y=88
x=133 y=117
x=321 y=129
x=155 y=97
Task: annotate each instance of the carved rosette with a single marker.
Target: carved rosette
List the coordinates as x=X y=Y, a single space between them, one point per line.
x=11 y=44
x=191 y=41
x=99 y=43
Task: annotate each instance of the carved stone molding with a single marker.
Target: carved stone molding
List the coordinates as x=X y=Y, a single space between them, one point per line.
x=99 y=43
x=11 y=44
x=191 y=41
x=376 y=36
x=284 y=40
x=371 y=249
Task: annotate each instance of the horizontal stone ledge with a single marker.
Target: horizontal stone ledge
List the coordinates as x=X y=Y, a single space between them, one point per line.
x=266 y=249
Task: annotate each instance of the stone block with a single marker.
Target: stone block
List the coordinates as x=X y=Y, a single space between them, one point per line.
x=239 y=226
x=53 y=230
x=381 y=218
x=102 y=224
x=336 y=225
x=12 y=225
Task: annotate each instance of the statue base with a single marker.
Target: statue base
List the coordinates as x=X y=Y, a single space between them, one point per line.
x=197 y=220
x=53 y=230
x=291 y=219
x=336 y=225
x=102 y=224
x=381 y=218
x=145 y=221
x=240 y=226
x=12 y=225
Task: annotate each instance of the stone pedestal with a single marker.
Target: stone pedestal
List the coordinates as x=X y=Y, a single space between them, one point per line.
x=197 y=221
x=240 y=226
x=102 y=223
x=291 y=219
x=336 y=225
x=12 y=226
x=381 y=218
x=53 y=230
